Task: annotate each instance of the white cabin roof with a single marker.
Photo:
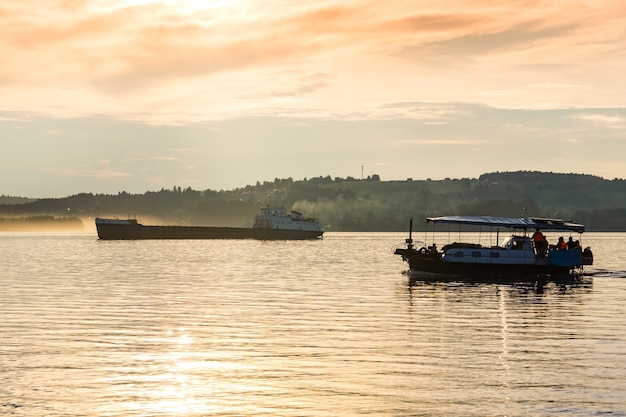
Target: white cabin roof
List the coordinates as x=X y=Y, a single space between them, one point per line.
x=511 y=222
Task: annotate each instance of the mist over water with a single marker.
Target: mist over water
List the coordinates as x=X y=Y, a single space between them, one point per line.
x=315 y=328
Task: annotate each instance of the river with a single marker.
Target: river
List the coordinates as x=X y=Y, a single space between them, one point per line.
x=307 y=328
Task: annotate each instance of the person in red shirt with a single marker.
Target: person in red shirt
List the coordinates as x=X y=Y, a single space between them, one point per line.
x=541 y=244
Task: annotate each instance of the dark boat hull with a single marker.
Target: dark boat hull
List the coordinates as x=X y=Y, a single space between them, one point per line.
x=433 y=264
x=139 y=231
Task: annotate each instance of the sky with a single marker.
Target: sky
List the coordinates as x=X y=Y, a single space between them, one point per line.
x=105 y=96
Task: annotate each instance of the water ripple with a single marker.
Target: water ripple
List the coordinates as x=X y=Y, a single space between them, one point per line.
x=322 y=328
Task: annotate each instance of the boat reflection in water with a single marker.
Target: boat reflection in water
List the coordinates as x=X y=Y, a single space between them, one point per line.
x=518 y=257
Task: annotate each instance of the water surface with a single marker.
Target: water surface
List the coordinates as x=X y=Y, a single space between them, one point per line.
x=313 y=328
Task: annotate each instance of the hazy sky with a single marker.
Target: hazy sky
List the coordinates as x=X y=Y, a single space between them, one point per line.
x=104 y=95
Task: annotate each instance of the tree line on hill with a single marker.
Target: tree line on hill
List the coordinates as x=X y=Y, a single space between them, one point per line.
x=349 y=204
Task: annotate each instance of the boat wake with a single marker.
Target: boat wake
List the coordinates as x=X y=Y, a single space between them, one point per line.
x=605 y=273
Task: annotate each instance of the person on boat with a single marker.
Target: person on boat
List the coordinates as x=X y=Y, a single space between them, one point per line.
x=570 y=243
x=561 y=244
x=541 y=244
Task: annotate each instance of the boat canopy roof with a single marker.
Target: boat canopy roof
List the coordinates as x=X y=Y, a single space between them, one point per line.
x=511 y=222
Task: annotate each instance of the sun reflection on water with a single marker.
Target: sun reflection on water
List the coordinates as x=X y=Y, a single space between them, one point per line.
x=187 y=379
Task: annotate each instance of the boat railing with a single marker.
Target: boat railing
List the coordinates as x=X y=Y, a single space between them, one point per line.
x=403 y=245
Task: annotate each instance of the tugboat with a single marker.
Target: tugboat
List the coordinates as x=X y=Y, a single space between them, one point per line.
x=273 y=223
x=518 y=254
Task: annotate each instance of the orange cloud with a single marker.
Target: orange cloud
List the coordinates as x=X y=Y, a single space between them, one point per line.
x=163 y=58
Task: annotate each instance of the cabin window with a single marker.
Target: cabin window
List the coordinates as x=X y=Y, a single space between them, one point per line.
x=458 y=254
x=476 y=254
x=494 y=255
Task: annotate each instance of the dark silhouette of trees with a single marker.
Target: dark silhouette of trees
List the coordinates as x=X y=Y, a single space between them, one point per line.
x=349 y=204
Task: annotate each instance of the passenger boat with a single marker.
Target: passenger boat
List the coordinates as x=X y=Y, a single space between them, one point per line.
x=518 y=254
x=273 y=223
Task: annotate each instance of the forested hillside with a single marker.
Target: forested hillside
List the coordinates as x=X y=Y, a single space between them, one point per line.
x=348 y=204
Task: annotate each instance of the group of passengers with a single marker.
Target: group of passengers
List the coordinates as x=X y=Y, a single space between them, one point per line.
x=542 y=246
x=571 y=244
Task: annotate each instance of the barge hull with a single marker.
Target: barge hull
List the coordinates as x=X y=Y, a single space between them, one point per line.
x=141 y=232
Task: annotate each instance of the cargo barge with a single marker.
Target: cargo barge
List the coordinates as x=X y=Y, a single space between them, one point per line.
x=273 y=223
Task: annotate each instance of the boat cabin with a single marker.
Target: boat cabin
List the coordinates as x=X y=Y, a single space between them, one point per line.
x=514 y=250
x=273 y=217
